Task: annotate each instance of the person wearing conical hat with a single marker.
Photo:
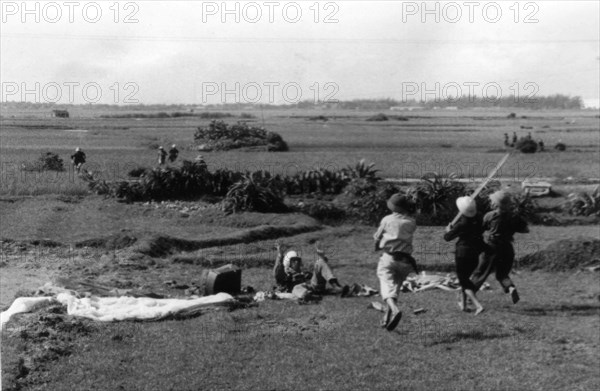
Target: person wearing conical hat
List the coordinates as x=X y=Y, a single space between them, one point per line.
x=173 y=153
x=499 y=226
x=469 y=231
x=395 y=236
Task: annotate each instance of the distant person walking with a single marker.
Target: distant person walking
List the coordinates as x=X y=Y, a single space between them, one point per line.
x=514 y=139
x=395 y=236
x=468 y=229
x=506 y=141
x=78 y=159
x=162 y=155
x=173 y=153
x=541 y=145
x=499 y=225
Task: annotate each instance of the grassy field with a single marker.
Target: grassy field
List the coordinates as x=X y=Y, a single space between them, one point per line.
x=467 y=143
x=52 y=228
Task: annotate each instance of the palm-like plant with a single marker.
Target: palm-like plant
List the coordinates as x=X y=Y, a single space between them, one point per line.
x=362 y=170
x=250 y=195
x=583 y=204
x=435 y=194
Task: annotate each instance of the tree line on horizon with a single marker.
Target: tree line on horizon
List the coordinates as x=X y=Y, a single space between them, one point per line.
x=557 y=101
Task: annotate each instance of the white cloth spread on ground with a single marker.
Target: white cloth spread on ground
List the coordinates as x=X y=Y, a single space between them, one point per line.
x=108 y=309
x=424 y=281
x=23 y=304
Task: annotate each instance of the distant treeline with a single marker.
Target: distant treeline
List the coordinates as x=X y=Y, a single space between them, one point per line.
x=534 y=103
x=557 y=101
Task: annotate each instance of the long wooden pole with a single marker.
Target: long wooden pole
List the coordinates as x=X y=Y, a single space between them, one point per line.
x=484 y=183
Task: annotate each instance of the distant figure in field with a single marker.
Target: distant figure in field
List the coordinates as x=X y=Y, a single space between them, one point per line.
x=173 y=153
x=541 y=145
x=78 y=158
x=506 y=142
x=514 y=139
x=499 y=227
x=162 y=155
x=529 y=136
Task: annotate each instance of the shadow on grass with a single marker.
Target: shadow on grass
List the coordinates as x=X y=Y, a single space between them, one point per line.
x=562 y=309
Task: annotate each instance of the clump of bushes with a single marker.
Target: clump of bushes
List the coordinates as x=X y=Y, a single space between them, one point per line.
x=47 y=161
x=366 y=201
x=561 y=147
x=255 y=193
x=526 y=145
x=583 y=204
x=378 y=117
x=435 y=195
x=220 y=136
x=137 y=172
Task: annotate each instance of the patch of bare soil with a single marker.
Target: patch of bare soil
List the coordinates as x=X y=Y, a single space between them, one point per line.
x=161 y=245
x=42 y=338
x=564 y=255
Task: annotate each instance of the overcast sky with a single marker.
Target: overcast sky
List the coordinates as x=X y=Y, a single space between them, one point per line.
x=183 y=52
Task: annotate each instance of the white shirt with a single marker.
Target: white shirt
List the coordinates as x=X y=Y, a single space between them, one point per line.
x=395 y=233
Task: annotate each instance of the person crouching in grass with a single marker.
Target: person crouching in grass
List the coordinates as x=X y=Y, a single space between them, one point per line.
x=499 y=225
x=290 y=277
x=395 y=237
x=468 y=229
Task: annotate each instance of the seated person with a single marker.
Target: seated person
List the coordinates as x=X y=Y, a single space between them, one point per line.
x=289 y=275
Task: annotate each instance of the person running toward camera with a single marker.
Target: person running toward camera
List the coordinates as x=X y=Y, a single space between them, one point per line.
x=78 y=159
x=173 y=153
x=162 y=155
x=395 y=236
x=499 y=225
x=290 y=277
x=469 y=231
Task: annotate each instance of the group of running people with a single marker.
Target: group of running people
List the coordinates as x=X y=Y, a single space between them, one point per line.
x=484 y=246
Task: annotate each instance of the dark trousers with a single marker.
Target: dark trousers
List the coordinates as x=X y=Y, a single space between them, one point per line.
x=498 y=258
x=466 y=260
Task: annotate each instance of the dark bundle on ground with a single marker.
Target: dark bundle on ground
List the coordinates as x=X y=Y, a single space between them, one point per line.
x=378 y=117
x=563 y=255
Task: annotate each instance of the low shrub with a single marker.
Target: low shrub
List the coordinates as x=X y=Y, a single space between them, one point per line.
x=582 y=203
x=222 y=137
x=253 y=195
x=526 y=145
x=378 y=117
x=137 y=172
x=47 y=161
x=561 y=147
x=435 y=196
x=366 y=201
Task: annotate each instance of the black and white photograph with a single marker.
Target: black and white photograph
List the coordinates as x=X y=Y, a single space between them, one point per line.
x=299 y=195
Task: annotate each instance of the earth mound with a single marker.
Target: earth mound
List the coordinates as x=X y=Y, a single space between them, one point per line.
x=564 y=255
